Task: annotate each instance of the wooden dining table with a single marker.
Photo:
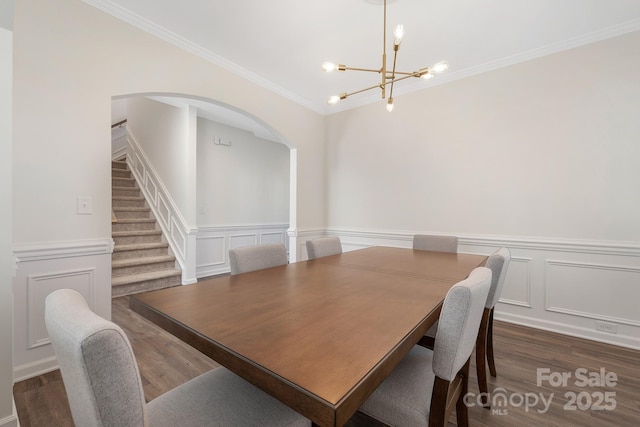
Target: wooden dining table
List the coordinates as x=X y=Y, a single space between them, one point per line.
x=318 y=335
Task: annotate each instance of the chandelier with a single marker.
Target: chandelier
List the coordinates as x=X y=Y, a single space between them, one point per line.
x=388 y=78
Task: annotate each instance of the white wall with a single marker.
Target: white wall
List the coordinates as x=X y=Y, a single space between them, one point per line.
x=541 y=157
x=8 y=416
x=162 y=132
x=243 y=194
x=64 y=79
x=246 y=183
x=546 y=148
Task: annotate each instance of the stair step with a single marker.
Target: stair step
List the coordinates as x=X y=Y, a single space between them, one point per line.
x=123 y=182
x=129 y=224
x=127 y=202
x=136 y=236
x=131 y=212
x=120 y=173
x=122 y=263
x=129 y=266
x=137 y=246
x=139 y=250
x=119 y=164
x=117 y=191
x=127 y=198
x=136 y=233
x=128 y=285
x=135 y=278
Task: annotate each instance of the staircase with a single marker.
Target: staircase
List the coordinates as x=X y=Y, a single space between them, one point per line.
x=141 y=259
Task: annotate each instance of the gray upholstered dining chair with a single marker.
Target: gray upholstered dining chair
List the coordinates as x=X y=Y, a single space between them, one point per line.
x=426 y=385
x=323 y=246
x=498 y=262
x=428 y=242
x=252 y=258
x=104 y=388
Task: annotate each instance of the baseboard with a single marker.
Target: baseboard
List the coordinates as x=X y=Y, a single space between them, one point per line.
x=30 y=370
x=11 y=420
x=567 y=329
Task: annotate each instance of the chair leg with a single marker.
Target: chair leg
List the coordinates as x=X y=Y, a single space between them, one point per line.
x=462 y=412
x=427 y=342
x=492 y=363
x=439 y=399
x=481 y=355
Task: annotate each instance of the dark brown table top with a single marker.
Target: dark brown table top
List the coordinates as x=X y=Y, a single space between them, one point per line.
x=319 y=335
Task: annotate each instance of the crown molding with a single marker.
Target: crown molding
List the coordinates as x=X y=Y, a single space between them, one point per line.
x=144 y=24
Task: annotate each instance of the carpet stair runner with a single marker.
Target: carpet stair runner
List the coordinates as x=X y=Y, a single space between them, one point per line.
x=141 y=259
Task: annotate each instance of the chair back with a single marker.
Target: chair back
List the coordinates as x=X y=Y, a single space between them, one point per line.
x=251 y=258
x=498 y=262
x=426 y=242
x=98 y=367
x=459 y=323
x=323 y=246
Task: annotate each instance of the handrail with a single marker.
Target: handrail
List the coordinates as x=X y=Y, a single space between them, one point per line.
x=120 y=123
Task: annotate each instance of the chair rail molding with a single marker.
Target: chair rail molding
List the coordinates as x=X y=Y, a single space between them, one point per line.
x=567 y=286
x=66 y=249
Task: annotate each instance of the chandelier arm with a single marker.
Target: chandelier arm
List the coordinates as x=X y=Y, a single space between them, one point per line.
x=418 y=73
x=393 y=72
x=362 y=69
x=406 y=73
x=364 y=90
x=397 y=79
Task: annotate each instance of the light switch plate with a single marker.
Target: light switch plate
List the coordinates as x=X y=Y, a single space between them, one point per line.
x=85 y=206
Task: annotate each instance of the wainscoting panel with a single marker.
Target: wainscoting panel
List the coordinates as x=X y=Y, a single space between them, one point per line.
x=517 y=283
x=244 y=239
x=153 y=194
x=179 y=237
x=212 y=252
x=213 y=244
x=601 y=292
x=163 y=211
x=84 y=266
x=41 y=285
x=271 y=237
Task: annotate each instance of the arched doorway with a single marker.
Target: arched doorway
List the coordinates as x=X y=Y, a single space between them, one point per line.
x=199 y=239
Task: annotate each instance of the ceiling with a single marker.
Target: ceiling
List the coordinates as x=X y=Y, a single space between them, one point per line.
x=280 y=44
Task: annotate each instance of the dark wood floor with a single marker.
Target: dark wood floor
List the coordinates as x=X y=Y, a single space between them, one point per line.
x=165 y=362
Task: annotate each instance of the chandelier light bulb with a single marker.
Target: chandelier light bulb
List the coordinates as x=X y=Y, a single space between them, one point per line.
x=428 y=76
x=329 y=66
x=398 y=34
x=390 y=104
x=440 y=67
x=333 y=100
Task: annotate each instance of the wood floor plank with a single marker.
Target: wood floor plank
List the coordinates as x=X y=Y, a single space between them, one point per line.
x=165 y=362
